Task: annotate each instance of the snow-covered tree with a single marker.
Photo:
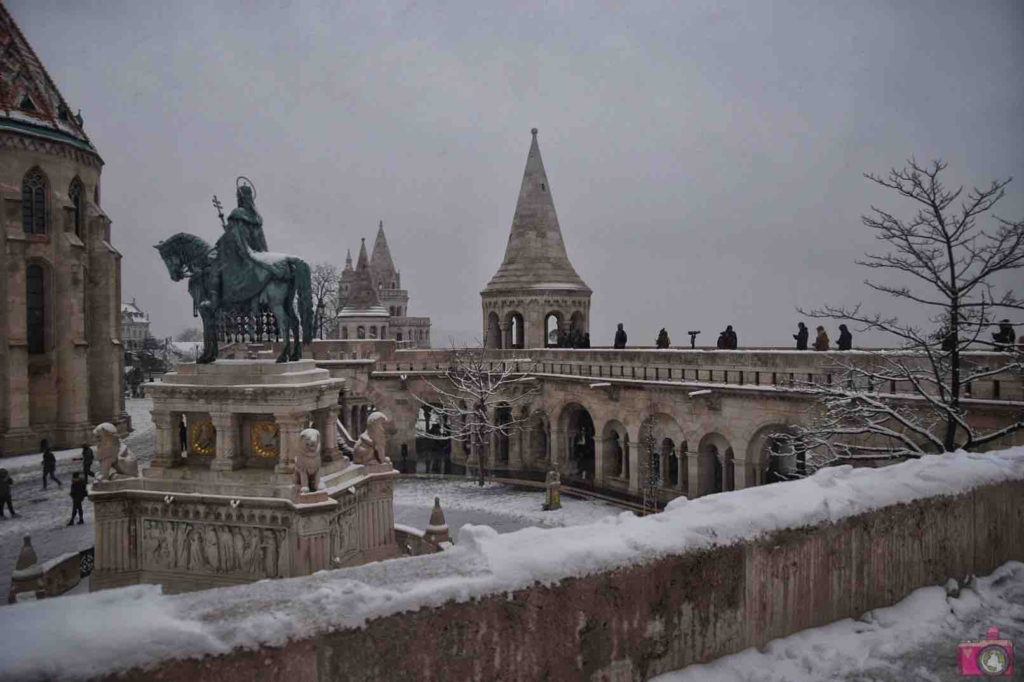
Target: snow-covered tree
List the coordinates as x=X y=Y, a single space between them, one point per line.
x=475 y=397
x=324 y=278
x=955 y=270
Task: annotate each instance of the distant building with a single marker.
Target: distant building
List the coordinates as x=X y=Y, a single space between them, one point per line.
x=134 y=326
x=60 y=277
x=373 y=303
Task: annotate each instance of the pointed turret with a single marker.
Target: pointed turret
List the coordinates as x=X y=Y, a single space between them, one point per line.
x=29 y=100
x=535 y=256
x=536 y=298
x=362 y=297
x=383 y=267
x=348 y=260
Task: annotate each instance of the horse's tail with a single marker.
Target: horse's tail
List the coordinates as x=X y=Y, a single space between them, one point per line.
x=305 y=292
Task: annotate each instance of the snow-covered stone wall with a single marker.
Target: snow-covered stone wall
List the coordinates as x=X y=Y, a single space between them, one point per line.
x=625 y=598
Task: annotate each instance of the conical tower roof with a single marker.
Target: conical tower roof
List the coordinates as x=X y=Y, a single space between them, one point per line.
x=362 y=298
x=535 y=257
x=29 y=100
x=380 y=259
x=348 y=260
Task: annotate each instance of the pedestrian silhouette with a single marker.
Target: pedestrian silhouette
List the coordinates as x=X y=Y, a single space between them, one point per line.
x=663 y=340
x=620 y=337
x=821 y=340
x=49 y=464
x=78 y=493
x=845 y=341
x=801 y=336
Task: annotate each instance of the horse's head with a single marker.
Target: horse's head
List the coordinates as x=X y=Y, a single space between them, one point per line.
x=172 y=259
x=183 y=254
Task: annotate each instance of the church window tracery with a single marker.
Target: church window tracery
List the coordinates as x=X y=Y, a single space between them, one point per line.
x=34 y=188
x=35 y=305
x=75 y=192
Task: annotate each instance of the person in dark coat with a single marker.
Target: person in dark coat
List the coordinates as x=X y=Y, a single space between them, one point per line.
x=87 y=458
x=801 y=336
x=663 y=340
x=49 y=464
x=723 y=341
x=845 y=341
x=821 y=340
x=5 y=493
x=620 y=337
x=586 y=340
x=731 y=339
x=1005 y=337
x=78 y=493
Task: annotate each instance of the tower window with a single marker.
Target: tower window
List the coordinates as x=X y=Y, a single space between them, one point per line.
x=33 y=202
x=543 y=188
x=35 y=303
x=75 y=193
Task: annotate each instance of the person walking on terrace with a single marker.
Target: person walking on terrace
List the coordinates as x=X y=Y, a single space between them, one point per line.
x=5 y=493
x=49 y=464
x=845 y=341
x=821 y=340
x=87 y=458
x=663 y=340
x=801 y=336
x=78 y=493
x=620 y=337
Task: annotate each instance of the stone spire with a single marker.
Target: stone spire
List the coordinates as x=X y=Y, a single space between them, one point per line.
x=362 y=295
x=29 y=100
x=437 y=528
x=380 y=260
x=535 y=257
x=348 y=260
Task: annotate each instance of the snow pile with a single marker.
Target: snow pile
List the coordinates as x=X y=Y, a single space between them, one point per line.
x=915 y=639
x=81 y=632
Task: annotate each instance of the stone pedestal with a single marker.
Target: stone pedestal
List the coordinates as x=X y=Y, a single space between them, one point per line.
x=231 y=512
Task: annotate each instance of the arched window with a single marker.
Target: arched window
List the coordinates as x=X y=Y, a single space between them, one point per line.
x=360 y=332
x=373 y=331
x=33 y=202
x=35 y=302
x=75 y=192
x=344 y=332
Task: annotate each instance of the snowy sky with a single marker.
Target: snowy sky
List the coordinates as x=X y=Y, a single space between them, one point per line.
x=705 y=157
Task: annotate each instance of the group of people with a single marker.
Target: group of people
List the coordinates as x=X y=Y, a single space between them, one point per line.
x=79 y=490
x=821 y=340
x=573 y=338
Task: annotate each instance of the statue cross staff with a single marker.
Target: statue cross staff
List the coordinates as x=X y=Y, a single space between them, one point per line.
x=220 y=212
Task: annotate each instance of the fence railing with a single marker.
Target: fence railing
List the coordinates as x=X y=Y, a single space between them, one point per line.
x=258 y=327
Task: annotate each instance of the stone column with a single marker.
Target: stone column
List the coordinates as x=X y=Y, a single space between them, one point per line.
x=693 y=474
x=167 y=453
x=329 y=432
x=743 y=475
x=227 y=456
x=290 y=425
x=633 y=458
x=600 y=447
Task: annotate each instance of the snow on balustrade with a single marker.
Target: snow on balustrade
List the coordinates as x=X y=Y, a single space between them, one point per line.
x=61 y=638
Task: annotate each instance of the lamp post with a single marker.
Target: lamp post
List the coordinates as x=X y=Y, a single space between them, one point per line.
x=320 y=317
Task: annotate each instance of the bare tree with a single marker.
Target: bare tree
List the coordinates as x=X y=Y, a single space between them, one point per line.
x=324 y=278
x=472 y=392
x=953 y=269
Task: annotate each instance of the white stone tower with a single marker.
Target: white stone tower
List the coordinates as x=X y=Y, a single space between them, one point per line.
x=536 y=291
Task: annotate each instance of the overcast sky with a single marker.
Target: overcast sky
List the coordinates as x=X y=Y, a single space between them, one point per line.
x=705 y=157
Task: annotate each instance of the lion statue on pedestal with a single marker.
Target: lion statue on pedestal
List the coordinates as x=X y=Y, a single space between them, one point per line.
x=307 y=463
x=371 y=447
x=116 y=459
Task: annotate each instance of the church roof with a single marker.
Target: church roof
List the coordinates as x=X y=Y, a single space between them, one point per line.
x=380 y=259
x=535 y=257
x=362 y=295
x=29 y=99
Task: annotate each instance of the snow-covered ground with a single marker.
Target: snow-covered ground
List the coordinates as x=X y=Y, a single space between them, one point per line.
x=915 y=639
x=43 y=514
x=503 y=507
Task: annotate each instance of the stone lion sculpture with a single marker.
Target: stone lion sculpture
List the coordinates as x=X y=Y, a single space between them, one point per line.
x=116 y=459
x=307 y=463
x=371 y=447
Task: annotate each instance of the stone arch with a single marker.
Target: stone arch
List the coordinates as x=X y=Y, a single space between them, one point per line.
x=614 y=451
x=552 y=328
x=577 y=451
x=660 y=434
x=770 y=458
x=493 y=331
x=515 y=336
x=714 y=464
x=537 y=450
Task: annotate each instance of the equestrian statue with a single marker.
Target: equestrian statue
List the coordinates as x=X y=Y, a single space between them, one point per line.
x=239 y=275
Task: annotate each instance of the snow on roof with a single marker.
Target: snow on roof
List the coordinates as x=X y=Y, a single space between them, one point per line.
x=59 y=638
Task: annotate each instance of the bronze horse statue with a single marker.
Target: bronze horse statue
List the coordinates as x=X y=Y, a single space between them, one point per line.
x=233 y=278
